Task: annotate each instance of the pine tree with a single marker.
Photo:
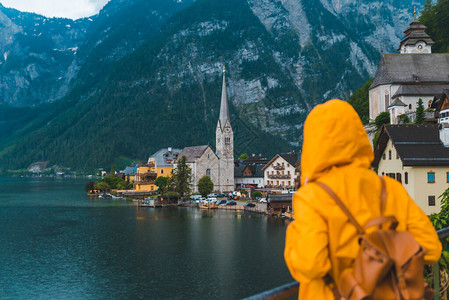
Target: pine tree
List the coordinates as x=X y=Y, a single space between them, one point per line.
x=182 y=177
x=420 y=113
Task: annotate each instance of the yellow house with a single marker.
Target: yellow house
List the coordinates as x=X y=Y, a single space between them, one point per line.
x=415 y=156
x=159 y=164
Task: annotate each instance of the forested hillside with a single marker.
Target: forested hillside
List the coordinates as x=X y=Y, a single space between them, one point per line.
x=148 y=75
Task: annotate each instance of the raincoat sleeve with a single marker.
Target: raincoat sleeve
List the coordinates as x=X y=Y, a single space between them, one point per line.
x=420 y=227
x=306 y=250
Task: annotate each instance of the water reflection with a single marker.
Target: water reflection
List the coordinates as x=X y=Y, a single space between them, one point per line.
x=57 y=243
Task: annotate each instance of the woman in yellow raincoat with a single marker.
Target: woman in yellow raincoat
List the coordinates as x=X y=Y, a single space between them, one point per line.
x=321 y=240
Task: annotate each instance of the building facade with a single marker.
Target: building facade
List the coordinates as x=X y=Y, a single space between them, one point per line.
x=415 y=156
x=160 y=163
x=282 y=172
x=415 y=73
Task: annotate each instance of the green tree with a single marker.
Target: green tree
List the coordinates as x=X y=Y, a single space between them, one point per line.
x=256 y=194
x=102 y=186
x=182 y=177
x=441 y=220
x=112 y=171
x=360 y=101
x=382 y=119
x=436 y=18
x=403 y=119
x=243 y=156
x=162 y=183
x=420 y=113
x=205 y=185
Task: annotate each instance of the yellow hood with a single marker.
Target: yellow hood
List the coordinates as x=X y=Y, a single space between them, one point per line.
x=333 y=136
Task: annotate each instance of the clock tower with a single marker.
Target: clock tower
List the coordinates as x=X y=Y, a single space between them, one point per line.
x=225 y=143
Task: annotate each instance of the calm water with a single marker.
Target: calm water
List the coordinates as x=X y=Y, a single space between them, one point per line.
x=56 y=243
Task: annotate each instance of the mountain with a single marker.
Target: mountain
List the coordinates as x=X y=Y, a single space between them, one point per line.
x=37 y=56
x=136 y=92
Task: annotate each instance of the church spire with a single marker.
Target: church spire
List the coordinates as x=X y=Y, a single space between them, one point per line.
x=224 y=108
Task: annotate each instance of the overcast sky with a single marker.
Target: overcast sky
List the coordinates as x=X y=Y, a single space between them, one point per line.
x=73 y=9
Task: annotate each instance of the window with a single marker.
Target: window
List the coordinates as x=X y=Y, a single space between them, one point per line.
x=397 y=155
x=383 y=173
x=162 y=171
x=399 y=177
x=431 y=200
x=430 y=177
x=389 y=154
x=387 y=100
x=429 y=104
x=392 y=175
x=208 y=172
x=447 y=177
x=406 y=177
x=384 y=156
x=410 y=107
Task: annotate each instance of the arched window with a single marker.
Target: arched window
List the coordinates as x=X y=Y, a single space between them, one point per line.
x=410 y=107
x=208 y=172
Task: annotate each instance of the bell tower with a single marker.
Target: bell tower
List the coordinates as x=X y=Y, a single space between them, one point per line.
x=225 y=143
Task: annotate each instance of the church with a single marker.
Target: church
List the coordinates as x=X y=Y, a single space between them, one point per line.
x=218 y=165
x=403 y=78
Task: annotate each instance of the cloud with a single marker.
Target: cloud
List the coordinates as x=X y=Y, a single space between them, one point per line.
x=73 y=9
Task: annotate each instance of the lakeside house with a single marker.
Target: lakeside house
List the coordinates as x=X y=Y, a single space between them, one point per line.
x=415 y=156
x=160 y=163
x=282 y=172
x=248 y=173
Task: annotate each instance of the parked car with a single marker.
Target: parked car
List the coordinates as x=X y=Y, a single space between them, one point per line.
x=263 y=200
x=220 y=202
x=231 y=203
x=212 y=200
x=249 y=204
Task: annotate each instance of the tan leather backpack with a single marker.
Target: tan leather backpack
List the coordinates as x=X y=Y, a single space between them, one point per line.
x=389 y=264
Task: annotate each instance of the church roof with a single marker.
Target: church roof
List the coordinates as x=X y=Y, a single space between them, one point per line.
x=412 y=69
x=193 y=152
x=397 y=102
x=420 y=89
x=224 y=108
x=417 y=145
x=415 y=33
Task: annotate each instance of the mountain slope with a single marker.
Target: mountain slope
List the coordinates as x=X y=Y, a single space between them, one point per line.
x=283 y=57
x=37 y=56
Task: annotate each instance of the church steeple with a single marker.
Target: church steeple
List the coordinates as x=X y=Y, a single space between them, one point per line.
x=225 y=143
x=416 y=39
x=224 y=108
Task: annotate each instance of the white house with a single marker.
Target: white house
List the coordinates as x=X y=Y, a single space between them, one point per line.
x=282 y=172
x=415 y=156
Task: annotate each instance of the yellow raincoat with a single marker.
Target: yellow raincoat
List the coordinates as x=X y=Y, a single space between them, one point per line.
x=321 y=240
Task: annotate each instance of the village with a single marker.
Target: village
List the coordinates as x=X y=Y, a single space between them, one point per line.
x=414 y=153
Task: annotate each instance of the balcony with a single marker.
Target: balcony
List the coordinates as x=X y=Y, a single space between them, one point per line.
x=147 y=177
x=275 y=176
x=278 y=167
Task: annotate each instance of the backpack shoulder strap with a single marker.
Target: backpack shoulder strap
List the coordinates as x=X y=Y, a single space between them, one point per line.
x=343 y=207
x=383 y=196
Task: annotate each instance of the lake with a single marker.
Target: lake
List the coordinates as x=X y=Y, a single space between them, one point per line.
x=57 y=243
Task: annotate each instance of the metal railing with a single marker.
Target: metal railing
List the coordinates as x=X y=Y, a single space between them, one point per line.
x=291 y=289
